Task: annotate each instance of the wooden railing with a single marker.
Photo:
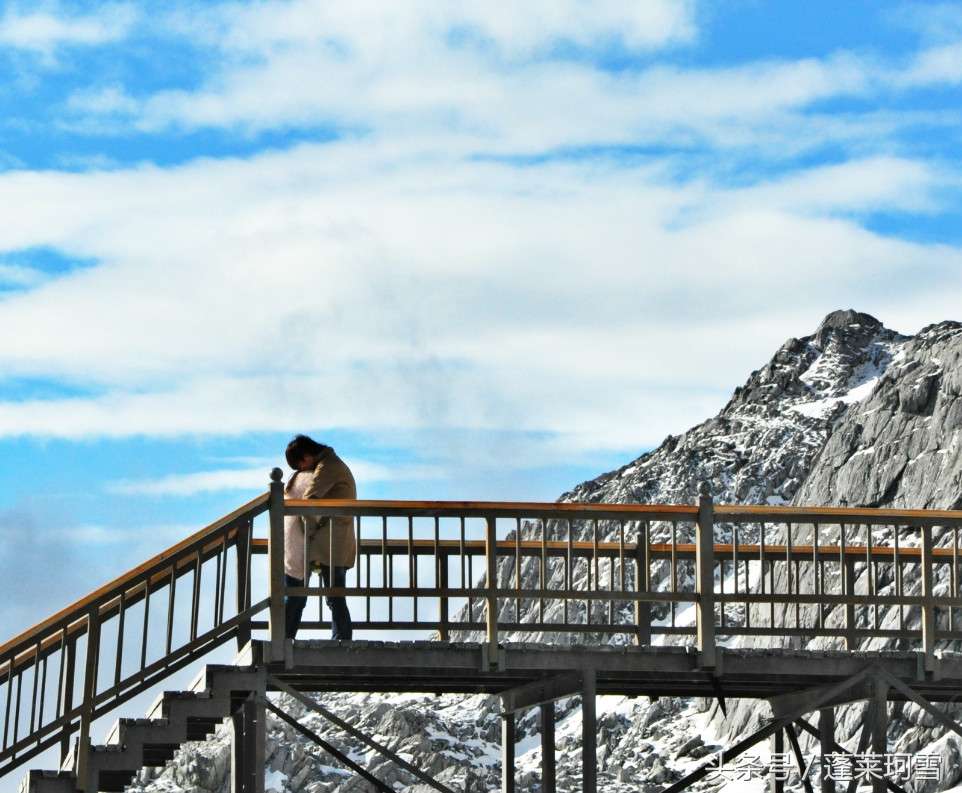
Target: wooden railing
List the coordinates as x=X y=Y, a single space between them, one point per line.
x=630 y=568
x=495 y=571
x=60 y=675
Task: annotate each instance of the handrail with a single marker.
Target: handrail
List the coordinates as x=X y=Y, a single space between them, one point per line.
x=481 y=509
x=79 y=606
x=682 y=550
x=908 y=517
x=655 y=557
x=40 y=708
x=687 y=536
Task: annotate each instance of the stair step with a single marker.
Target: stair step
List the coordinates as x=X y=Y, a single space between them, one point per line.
x=48 y=782
x=174 y=718
x=112 y=766
x=190 y=705
x=148 y=732
x=221 y=679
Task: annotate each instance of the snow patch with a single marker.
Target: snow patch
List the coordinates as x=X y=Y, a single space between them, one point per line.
x=275 y=780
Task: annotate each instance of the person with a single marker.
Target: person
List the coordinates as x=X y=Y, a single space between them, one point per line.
x=318 y=473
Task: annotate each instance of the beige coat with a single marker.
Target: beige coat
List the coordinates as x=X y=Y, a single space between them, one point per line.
x=331 y=478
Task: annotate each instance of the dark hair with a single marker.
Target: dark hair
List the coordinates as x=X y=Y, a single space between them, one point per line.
x=301 y=446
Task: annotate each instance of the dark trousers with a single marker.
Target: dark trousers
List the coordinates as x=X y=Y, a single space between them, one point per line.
x=341 y=627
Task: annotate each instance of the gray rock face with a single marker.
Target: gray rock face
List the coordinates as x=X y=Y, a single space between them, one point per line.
x=898 y=447
x=854 y=414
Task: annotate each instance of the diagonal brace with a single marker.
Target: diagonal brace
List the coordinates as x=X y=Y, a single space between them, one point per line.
x=774 y=726
x=836 y=747
x=863 y=739
x=797 y=751
x=307 y=702
x=538 y=692
x=918 y=699
x=324 y=745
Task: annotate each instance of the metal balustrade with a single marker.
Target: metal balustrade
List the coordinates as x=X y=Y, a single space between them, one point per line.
x=803 y=572
x=52 y=676
x=700 y=574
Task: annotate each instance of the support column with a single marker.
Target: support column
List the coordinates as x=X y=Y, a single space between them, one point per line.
x=778 y=747
x=547 y=748
x=507 y=752
x=248 y=734
x=589 y=734
x=826 y=744
x=879 y=726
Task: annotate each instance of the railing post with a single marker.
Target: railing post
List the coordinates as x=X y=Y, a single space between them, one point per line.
x=851 y=640
x=69 y=660
x=642 y=584
x=442 y=561
x=705 y=576
x=243 y=591
x=275 y=561
x=89 y=694
x=928 y=610
x=491 y=599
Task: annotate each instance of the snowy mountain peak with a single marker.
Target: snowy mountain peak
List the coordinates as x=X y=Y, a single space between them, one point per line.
x=853 y=414
x=760 y=445
x=846 y=318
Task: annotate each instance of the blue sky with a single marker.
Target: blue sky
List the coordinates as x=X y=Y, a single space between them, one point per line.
x=486 y=253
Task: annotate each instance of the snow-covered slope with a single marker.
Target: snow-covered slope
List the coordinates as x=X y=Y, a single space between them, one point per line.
x=852 y=414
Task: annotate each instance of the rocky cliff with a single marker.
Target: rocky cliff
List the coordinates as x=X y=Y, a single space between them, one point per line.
x=853 y=414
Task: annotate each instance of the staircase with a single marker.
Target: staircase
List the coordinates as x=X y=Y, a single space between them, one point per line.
x=131 y=744
x=123 y=640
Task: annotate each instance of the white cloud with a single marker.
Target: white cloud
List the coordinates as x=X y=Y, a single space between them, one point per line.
x=391 y=282
x=18 y=275
x=484 y=79
x=855 y=186
x=256 y=478
x=941 y=64
x=370 y=29
x=43 y=31
x=603 y=307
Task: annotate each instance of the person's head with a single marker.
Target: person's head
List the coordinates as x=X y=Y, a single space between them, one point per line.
x=303 y=452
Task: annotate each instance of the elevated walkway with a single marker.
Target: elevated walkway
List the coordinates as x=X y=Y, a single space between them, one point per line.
x=526 y=675
x=670 y=579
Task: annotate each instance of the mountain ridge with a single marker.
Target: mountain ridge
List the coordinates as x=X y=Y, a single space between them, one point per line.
x=852 y=414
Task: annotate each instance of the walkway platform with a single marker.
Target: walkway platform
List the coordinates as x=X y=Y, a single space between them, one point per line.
x=437 y=667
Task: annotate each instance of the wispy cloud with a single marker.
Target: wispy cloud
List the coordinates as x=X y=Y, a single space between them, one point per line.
x=44 y=30
x=481 y=80
x=256 y=478
x=18 y=275
x=313 y=288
